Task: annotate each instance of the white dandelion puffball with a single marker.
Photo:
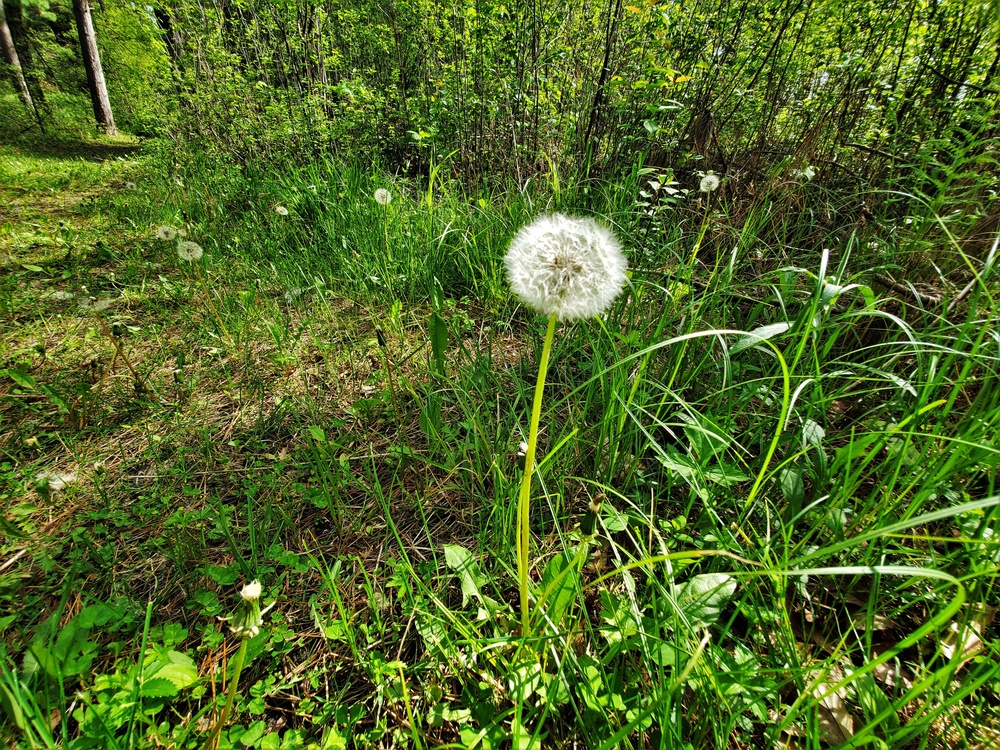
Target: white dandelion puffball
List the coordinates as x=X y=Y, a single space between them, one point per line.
x=383 y=197
x=166 y=233
x=251 y=591
x=709 y=183
x=281 y=210
x=188 y=250
x=182 y=232
x=54 y=481
x=566 y=266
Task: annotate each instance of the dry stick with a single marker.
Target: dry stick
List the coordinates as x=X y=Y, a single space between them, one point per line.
x=125 y=359
x=976 y=278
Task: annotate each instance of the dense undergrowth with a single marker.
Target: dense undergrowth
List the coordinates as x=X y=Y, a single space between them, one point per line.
x=790 y=424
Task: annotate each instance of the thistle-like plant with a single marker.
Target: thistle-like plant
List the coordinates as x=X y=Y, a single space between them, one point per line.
x=565 y=268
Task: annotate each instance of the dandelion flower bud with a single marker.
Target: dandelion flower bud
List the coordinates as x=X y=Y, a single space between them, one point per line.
x=281 y=210
x=383 y=197
x=251 y=591
x=188 y=250
x=166 y=233
x=709 y=183
x=567 y=267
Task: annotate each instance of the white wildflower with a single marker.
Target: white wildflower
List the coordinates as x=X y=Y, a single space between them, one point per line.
x=166 y=233
x=281 y=210
x=566 y=266
x=251 y=591
x=383 y=197
x=709 y=183
x=188 y=250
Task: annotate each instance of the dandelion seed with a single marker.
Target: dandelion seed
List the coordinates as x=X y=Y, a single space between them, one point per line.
x=281 y=210
x=566 y=267
x=188 y=250
x=166 y=233
x=383 y=197
x=709 y=183
x=54 y=482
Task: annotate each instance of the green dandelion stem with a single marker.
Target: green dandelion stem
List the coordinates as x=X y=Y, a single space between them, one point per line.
x=234 y=681
x=208 y=296
x=524 y=501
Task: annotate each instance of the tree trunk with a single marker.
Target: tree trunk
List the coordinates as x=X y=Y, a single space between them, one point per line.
x=10 y=53
x=92 y=62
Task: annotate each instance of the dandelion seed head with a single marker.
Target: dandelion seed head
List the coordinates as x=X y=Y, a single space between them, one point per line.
x=709 y=183
x=188 y=250
x=281 y=210
x=383 y=197
x=251 y=591
x=166 y=233
x=565 y=266
x=182 y=232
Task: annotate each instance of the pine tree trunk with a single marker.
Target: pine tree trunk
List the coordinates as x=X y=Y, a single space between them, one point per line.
x=92 y=62
x=10 y=53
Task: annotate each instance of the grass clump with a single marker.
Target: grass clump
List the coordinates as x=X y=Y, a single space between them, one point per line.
x=763 y=508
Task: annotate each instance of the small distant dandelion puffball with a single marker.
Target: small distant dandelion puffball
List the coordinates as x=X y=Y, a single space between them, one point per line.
x=566 y=266
x=383 y=197
x=188 y=250
x=53 y=481
x=182 y=232
x=166 y=233
x=251 y=591
x=281 y=210
x=709 y=183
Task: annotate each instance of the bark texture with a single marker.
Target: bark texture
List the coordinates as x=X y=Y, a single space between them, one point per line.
x=10 y=54
x=92 y=62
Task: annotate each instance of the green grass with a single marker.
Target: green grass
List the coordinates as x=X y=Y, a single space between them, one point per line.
x=797 y=537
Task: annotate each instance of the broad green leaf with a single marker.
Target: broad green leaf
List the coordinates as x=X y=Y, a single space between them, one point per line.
x=558 y=587
x=439 y=341
x=20 y=377
x=158 y=687
x=465 y=566
x=757 y=335
x=702 y=598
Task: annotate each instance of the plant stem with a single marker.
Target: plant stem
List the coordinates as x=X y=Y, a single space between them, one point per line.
x=211 y=304
x=234 y=681
x=524 y=501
